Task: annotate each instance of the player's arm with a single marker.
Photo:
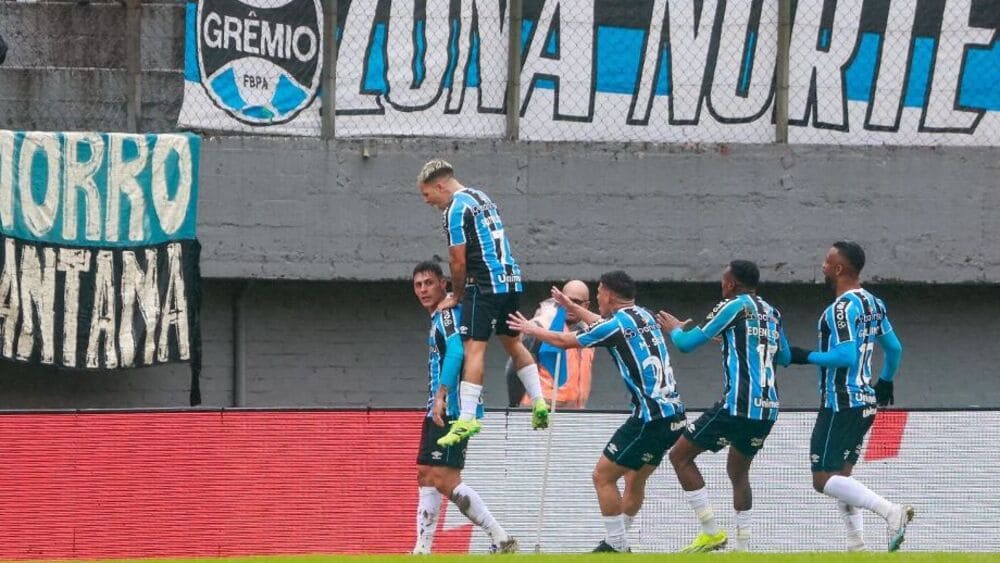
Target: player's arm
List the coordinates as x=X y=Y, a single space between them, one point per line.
x=581 y=312
x=892 y=348
x=456 y=259
x=689 y=340
x=519 y=323
x=784 y=355
x=454 y=226
x=451 y=367
x=845 y=352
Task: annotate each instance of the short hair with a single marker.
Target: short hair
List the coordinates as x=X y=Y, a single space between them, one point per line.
x=428 y=266
x=745 y=272
x=852 y=252
x=619 y=283
x=435 y=169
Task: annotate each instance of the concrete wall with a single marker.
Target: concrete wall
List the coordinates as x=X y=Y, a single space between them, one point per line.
x=363 y=344
x=309 y=209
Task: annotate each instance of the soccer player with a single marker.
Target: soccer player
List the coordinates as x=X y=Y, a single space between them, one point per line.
x=848 y=331
x=637 y=345
x=487 y=282
x=439 y=468
x=752 y=339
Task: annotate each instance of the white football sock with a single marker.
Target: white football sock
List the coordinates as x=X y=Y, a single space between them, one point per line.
x=703 y=510
x=468 y=399
x=529 y=378
x=854 y=493
x=743 y=518
x=854 y=524
x=615 y=525
x=428 y=509
x=472 y=506
x=628 y=521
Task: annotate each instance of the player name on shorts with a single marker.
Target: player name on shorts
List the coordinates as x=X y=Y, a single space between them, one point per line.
x=765 y=403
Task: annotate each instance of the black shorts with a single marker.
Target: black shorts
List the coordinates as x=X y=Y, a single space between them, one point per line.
x=716 y=429
x=485 y=313
x=838 y=436
x=636 y=443
x=432 y=454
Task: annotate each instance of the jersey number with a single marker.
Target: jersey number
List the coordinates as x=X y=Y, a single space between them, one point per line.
x=664 y=376
x=765 y=353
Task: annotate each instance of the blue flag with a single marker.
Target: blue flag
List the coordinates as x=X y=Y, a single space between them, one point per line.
x=553 y=358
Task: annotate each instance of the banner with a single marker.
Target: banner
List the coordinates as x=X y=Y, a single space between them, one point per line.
x=860 y=71
x=253 y=66
x=100 y=264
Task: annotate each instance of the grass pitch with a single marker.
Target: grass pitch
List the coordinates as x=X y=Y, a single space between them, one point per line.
x=825 y=557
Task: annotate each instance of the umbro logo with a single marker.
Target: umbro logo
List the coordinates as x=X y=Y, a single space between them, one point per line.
x=612 y=448
x=723 y=442
x=436 y=455
x=756 y=442
x=647 y=457
x=814 y=458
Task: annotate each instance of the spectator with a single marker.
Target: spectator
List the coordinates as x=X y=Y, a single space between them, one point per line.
x=579 y=361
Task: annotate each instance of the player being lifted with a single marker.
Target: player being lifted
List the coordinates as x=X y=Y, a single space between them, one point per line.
x=637 y=345
x=486 y=280
x=848 y=331
x=752 y=339
x=439 y=468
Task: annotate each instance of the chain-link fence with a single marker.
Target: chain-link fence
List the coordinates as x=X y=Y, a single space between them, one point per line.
x=707 y=71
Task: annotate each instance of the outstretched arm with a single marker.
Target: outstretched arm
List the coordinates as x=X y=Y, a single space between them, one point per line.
x=581 y=312
x=842 y=355
x=565 y=340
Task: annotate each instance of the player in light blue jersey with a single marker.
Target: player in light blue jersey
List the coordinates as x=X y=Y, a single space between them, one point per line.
x=488 y=284
x=439 y=468
x=848 y=332
x=752 y=339
x=639 y=349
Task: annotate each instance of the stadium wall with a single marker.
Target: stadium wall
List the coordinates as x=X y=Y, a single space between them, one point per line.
x=115 y=485
x=364 y=344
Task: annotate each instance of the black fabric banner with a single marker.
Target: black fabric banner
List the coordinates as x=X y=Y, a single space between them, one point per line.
x=101 y=308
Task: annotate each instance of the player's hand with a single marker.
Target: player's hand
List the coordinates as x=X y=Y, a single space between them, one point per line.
x=560 y=298
x=669 y=322
x=799 y=355
x=449 y=302
x=519 y=323
x=883 y=393
x=437 y=411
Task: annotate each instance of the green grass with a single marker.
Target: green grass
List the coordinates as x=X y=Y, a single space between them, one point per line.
x=825 y=557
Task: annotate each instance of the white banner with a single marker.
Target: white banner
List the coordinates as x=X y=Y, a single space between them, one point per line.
x=943 y=463
x=861 y=71
x=253 y=66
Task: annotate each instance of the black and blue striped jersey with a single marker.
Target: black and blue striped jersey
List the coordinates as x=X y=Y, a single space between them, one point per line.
x=473 y=219
x=638 y=347
x=751 y=334
x=444 y=342
x=855 y=316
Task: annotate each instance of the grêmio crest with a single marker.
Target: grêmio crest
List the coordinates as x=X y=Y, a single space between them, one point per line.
x=260 y=60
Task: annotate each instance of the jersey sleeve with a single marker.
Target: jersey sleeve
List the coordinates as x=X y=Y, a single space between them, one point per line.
x=447 y=323
x=599 y=333
x=884 y=327
x=721 y=317
x=844 y=320
x=454 y=223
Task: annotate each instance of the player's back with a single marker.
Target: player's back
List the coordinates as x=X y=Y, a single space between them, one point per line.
x=473 y=219
x=859 y=317
x=749 y=342
x=641 y=354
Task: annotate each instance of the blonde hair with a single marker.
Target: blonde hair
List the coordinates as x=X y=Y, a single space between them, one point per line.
x=435 y=169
